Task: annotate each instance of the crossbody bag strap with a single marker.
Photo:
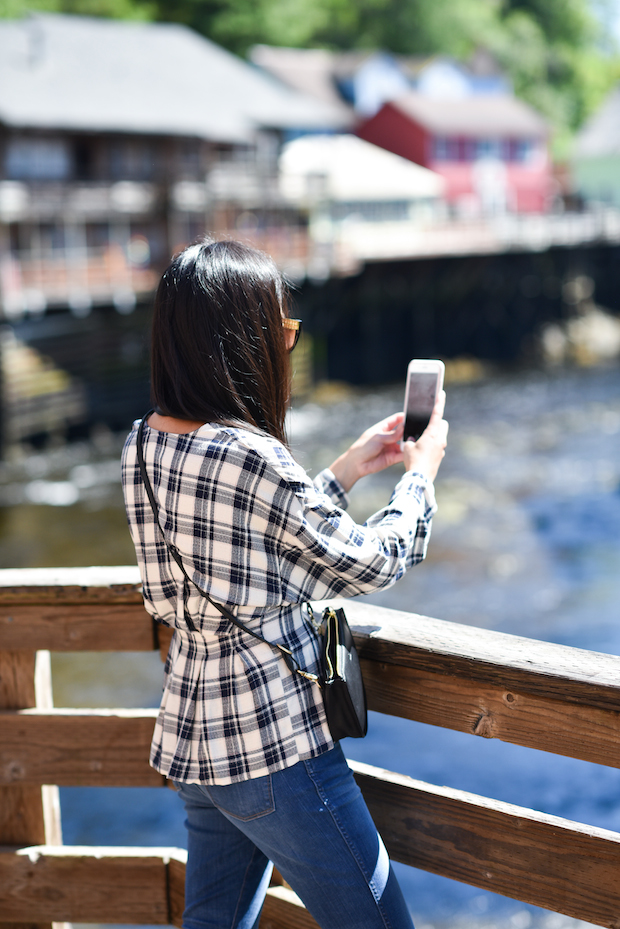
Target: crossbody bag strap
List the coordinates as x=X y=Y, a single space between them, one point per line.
x=286 y=653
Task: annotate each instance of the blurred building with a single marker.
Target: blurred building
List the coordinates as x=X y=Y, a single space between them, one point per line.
x=491 y=149
x=120 y=142
x=596 y=158
x=359 y=83
x=364 y=202
x=459 y=119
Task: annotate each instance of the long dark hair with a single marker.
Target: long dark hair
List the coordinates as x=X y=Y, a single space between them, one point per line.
x=218 y=350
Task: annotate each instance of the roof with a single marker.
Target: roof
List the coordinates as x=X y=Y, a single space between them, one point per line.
x=78 y=73
x=353 y=170
x=318 y=71
x=600 y=135
x=308 y=70
x=491 y=115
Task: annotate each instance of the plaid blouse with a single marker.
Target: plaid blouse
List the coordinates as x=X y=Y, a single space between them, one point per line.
x=262 y=538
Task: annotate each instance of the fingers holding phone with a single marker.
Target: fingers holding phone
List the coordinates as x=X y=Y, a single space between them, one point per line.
x=422 y=388
x=425 y=433
x=428 y=452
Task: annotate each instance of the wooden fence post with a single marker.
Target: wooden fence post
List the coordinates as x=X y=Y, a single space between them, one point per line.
x=28 y=815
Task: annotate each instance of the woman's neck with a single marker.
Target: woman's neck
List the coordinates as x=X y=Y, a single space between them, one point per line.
x=171 y=424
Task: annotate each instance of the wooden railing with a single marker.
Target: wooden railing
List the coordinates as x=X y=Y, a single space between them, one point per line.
x=488 y=684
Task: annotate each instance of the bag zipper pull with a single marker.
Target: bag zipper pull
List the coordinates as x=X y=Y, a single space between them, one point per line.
x=319 y=627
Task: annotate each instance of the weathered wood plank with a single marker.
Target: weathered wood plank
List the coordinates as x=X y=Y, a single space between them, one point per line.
x=511 y=662
x=17 y=669
x=494 y=712
x=118 y=584
x=33 y=616
x=284 y=910
x=21 y=814
x=21 y=809
x=176 y=891
x=50 y=797
x=539 y=859
x=164 y=638
x=489 y=683
x=28 y=815
x=73 y=627
x=530 y=856
x=111 y=747
x=77 y=747
x=114 y=885
x=387 y=636
x=533 y=857
x=84 y=885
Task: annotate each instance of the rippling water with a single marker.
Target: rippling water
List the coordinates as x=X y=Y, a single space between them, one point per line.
x=527 y=540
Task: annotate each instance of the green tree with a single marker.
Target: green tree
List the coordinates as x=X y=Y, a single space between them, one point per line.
x=111 y=9
x=554 y=52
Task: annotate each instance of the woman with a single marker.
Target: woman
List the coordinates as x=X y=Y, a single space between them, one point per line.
x=244 y=739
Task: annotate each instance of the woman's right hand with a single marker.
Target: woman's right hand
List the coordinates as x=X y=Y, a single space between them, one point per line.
x=426 y=454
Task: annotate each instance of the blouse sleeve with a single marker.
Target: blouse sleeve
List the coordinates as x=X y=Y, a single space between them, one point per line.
x=255 y=532
x=331 y=555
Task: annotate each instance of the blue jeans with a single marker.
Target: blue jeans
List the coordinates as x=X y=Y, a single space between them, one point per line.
x=311 y=821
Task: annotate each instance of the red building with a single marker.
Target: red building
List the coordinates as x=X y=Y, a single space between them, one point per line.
x=491 y=149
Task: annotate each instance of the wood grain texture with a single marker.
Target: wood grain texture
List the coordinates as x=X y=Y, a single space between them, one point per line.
x=21 y=815
x=539 y=859
x=84 y=885
x=164 y=638
x=284 y=910
x=511 y=662
x=494 y=712
x=111 y=747
x=104 y=612
x=17 y=671
x=77 y=747
x=21 y=809
x=118 y=584
x=31 y=925
x=75 y=627
x=530 y=856
x=114 y=885
x=176 y=891
x=28 y=815
x=97 y=618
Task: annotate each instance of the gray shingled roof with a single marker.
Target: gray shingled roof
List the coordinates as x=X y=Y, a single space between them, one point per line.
x=77 y=73
x=490 y=115
x=308 y=70
x=600 y=135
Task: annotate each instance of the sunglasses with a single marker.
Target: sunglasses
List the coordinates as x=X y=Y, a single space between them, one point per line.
x=294 y=325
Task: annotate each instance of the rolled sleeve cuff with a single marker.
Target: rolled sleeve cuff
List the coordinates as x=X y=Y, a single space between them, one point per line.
x=327 y=483
x=419 y=487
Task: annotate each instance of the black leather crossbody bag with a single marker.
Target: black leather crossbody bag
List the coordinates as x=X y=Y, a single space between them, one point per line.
x=344 y=696
x=340 y=680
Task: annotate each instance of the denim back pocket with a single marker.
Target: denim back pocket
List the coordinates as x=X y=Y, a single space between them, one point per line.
x=245 y=800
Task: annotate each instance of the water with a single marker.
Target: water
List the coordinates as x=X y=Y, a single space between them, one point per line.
x=527 y=540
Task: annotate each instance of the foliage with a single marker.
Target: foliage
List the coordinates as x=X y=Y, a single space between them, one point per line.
x=113 y=9
x=557 y=52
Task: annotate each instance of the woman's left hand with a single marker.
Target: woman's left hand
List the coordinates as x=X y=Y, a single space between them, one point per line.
x=377 y=448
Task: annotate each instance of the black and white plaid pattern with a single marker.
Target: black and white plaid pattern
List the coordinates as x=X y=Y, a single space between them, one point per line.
x=260 y=537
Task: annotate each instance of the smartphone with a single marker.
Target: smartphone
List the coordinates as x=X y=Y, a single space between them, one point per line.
x=424 y=381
